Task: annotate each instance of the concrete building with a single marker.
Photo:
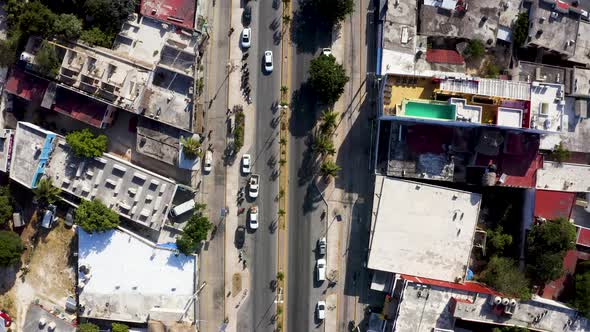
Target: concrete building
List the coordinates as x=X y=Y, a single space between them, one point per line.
x=581 y=83
x=564 y=177
x=420 y=230
x=126 y=278
x=135 y=193
x=6 y=137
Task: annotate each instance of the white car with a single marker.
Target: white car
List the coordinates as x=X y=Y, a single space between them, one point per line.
x=268 y=61
x=246 y=39
x=321 y=267
x=253 y=185
x=326 y=51
x=253 y=217
x=246 y=164
x=321 y=310
x=208 y=165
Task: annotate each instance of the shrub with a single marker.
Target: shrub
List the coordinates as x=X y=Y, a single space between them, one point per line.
x=560 y=153
x=88 y=327
x=11 y=248
x=475 y=49
x=118 y=327
x=502 y=274
x=97 y=37
x=6 y=209
x=47 y=61
x=85 y=144
x=521 y=29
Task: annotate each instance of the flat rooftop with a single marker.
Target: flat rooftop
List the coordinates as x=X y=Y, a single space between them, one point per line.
x=80 y=107
x=582 y=51
x=157 y=141
x=425 y=307
x=488 y=87
x=30 y=154
x=581 y=82
x=6 y=139
x=564 y=177
x=25 y=86
x=552 y=31
x=531 y=71
x=130 y=279
x=458 y=23
x=422 y=230
x=180 y=13
x=548 y=107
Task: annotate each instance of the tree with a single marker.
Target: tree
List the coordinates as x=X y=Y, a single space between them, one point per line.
x=492 y=71
x=67 y=26
x=327 y=78
x=544 y=267
x=45 y=193
x=582 y=293
x=560 y=153
x=334 y=11
x=97 y=37
x=46 y=60
x=191 y=147
x=8 y=52
x=520 y=31
x=11 y=248
x=108 y=15
x=35 y=19
x=497 y=241
x=280 y=276
x=475 y=49
x=118 y=327
x=5 y=205
x=502 y=274
x=85 y=144
x=93 y=216
x=323 y=145
x=510 y=329
x=193 y=233
x=88 y=327
x=329 y=121
x=329 y=169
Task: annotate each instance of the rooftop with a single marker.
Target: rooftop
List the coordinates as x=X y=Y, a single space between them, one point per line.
x=581 y=82
x=488 y=87
x=444 y=56
x=478 y=21
x=551 y=29
x=31 y=149
x=130 y=278
x=158 y=142
x=6 y=138
x=531 y=71
x=548 y=107
x=554 y=289
x=564 y=177
x=582 y=51
x=177 y=12
x=550 y=204
x=433 y=242
x=80 y=107
x=424 y=307
x=26 y=86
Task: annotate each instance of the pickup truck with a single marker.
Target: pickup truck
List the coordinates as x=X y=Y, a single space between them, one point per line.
x=253 y=185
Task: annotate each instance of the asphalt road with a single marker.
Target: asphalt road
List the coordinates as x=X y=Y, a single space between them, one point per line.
x=305 y=203
x=257 y=313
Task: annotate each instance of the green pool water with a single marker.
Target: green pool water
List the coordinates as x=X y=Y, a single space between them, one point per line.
x=428 y=110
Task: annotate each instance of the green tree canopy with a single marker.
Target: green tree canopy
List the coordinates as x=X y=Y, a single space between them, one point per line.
x=582 y=293
x=46 y=60
x=520 y=30
x=193 y=233
x=327 y=78
x=329 y=168
x=191 y=147
x=502 y=274
x=552 y=236
x=334 y=11
x=8 y=51
x=329 y=121
x=497 y=241
x=34 y=18
x=67 y=26
x=108 y=15
x=88 y=327
x=93 y=216
x=118 y=327
x=323 y=145
x=560 y=153
x=6 y=209
x=45 y=193
x=97 y=37
x=85 y=144
x=510 y=329
x=11 y=248
x=475 y=49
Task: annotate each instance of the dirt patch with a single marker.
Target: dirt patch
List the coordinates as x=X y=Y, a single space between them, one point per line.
x=236 y=284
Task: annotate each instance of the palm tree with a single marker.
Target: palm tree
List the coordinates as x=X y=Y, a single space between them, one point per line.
x=286 y=19
x=284 y=89
x=329 y=121
x=323 y=145
x=283 y=141
x=329 y=169
x=45 y=192
x=282 y=213
x=191 y=147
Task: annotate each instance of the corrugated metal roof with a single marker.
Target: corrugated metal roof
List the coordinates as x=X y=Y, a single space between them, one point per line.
x=550 y=204
x=468 y=286
x=584 y=237
x=444 y=56
x=489 y=87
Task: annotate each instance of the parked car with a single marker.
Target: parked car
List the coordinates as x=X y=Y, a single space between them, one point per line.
x=326 y=51
x=246 y=164
x=253 y=185
x=240 y=236
x=268 y=67
x=208 y=164
x=322 y=246
x=253 y=217
x=49 y=217
x=246 y=37
x=247 y=16
x=321 y=269
x=321 y=310
x=69 y=220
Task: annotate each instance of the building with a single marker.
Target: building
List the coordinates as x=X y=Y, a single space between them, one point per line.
x=564 y=177
x=429 y=230
x=581 y=84
x=134 y=193
x=6 y=137
x=126 y=278
x=180 y=13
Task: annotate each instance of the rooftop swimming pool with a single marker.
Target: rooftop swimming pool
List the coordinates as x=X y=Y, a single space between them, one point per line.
x=429 y=110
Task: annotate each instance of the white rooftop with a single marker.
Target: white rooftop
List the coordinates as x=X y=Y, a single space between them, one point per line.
x=548 y=107
x=564 y=177
x=488 y=87
x=509 y=117
x=129 y=277
x=422 y=230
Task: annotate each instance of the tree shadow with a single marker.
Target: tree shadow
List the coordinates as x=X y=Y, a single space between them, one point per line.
x=308 y=29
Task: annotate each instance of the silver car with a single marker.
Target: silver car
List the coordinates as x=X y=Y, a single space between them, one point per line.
x=246 y=38
x=268 y=61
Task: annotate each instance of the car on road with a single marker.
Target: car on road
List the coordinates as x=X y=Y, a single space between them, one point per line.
x=253 y=217
x=69 y=220
x=246 y=38
x=208 y=165
x=321 y=310
x=321 y=269
x=49 y=217
x=240 y=236
x=253 y=185
x=326 y=51
x=322 y=246
x=246 y=164
x=247 y=15
x=268 y=67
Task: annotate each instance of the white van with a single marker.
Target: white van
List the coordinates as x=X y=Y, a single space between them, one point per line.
x=183 y=208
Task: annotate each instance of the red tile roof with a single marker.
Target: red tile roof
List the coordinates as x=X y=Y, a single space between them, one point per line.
x=583 y=237
x=178 y=12
x=26 y=86
x=79 y=107
x=468 y=286
x=553 y=289
x=550 y=204
x=562 y=5
x=444 y=56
